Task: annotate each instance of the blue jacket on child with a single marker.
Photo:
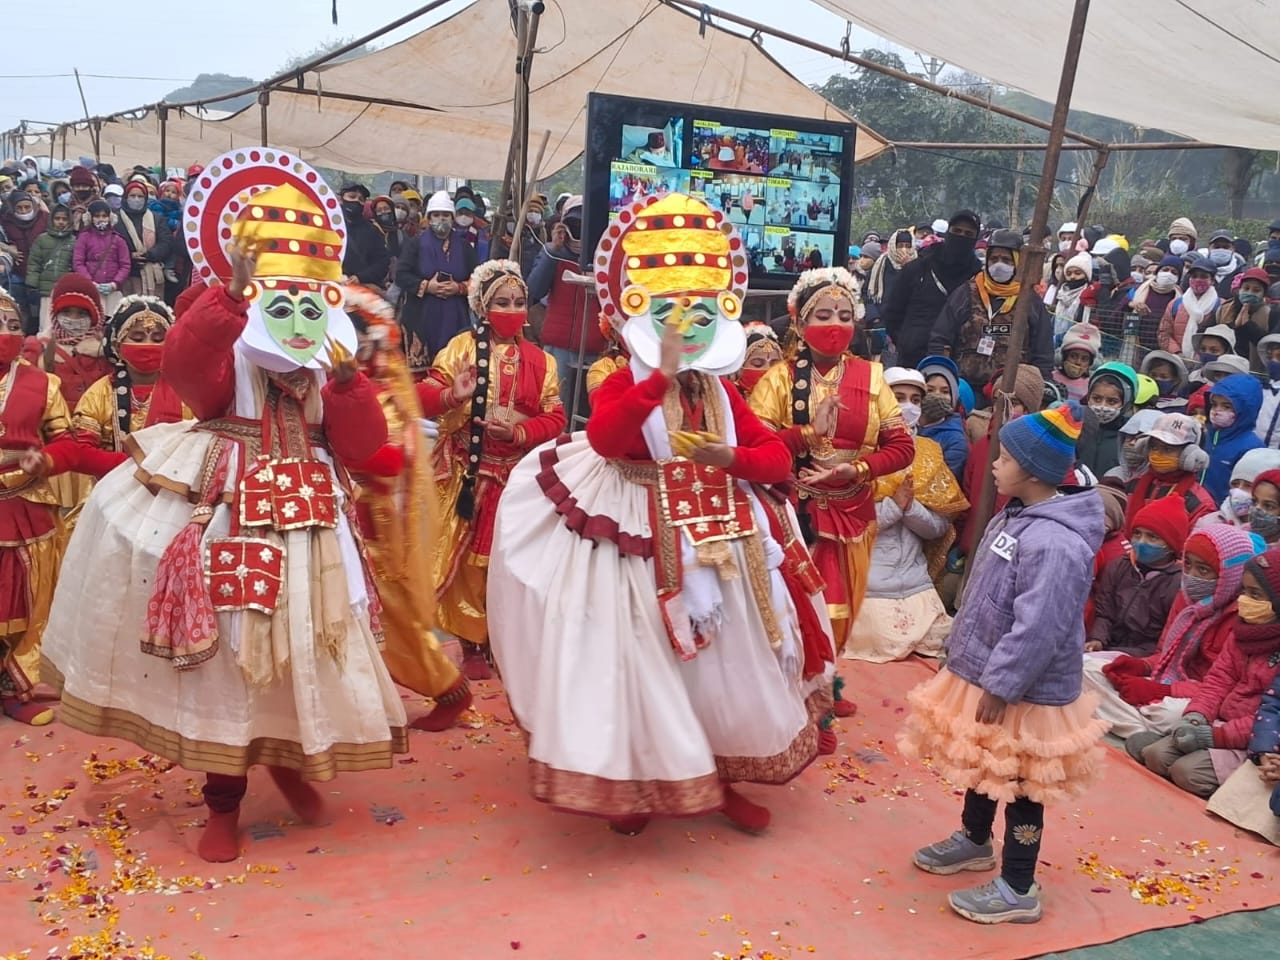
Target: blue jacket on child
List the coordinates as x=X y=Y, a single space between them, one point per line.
x=1019 y=633
x=1266 y=734
x=1229 y=444
x=950 y=436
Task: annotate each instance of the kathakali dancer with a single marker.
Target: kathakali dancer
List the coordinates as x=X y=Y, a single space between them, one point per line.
x=130 y=398
x=655 y=614
x=32 y=414
x=496 y=397
x=844 y=429
x=398 y=517
x=214 y=607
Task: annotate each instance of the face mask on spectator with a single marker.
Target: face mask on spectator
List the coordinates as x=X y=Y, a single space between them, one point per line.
x=441 y=226
x=534 y=219
x=910 y=413
x=1177 y=247
x=401 y=214
x=1200 y=285
x=101 y=224
x=1000 y=272
x=1165 y=280
x=26 y=216
x=136 y=203
x=1104 y=413
x=1220 y=256
x=1198 y=588
x=464 y=220
x=1239 y=502
x=113 y=202
x=1250 y=298
x=1137 y=276
x=1265 y=525
x=1150 y=554
x=63 y=198
x=387 y=219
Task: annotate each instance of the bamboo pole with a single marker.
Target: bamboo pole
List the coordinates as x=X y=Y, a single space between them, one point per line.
x=264 y=98
x=1082 y=208
x=93 y=129
x=517 y=228
x=1031 y=262
x=164 y=138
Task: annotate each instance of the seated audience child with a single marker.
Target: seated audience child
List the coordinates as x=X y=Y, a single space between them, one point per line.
x=1174 y=460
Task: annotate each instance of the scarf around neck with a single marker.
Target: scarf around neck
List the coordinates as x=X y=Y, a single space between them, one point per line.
x=1197 y=308
x=988 y=288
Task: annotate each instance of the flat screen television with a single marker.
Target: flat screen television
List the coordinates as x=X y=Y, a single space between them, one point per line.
x=786 y=182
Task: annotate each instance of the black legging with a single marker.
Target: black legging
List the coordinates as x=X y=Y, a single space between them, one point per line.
x=1023 y=831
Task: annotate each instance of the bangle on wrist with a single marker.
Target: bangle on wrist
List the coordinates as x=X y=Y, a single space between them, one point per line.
x=517 y=434
x=808 y=435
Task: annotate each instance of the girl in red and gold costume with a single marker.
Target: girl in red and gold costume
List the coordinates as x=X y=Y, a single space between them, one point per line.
x=657 y=619
x=496 y=396
x=763 y=354
x=133 y=396
x=615 y=358
x=844 y=429
x=73 y=350
x=32 y=414
x=214 y=606
x=398 y=515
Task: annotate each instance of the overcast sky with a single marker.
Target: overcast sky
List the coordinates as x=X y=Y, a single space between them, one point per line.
x=172 y=43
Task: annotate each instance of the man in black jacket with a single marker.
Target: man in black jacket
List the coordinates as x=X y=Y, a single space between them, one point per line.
x=365 y=259
x=923 y=286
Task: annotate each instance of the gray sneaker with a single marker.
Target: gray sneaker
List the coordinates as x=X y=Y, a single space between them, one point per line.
x=997 y=902
x=954 y=854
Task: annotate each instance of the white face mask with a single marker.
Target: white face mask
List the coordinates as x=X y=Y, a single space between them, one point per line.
x=1239 y=502
x=910 y=413
x=136 y=203
x=1137 y=276
x=1064 y=245
x=1104 y=413
x=1177 y=247
x=534 y=219
x=1000 y=272
x=1165 y=280
x=74 y=326
x=1220 y=257
x=463 y=220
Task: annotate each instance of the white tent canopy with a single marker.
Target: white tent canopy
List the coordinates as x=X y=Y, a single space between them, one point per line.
x=1203 y=69
x=406 y=108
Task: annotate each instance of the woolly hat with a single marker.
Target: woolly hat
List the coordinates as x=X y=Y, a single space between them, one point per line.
x=440 y=202
x=537 y=203
x=1254 y=463
x=74 y=290
x=82 y=177
x=1081 y=261
x=871 y=249
x=137 y=183
x=1256 y=273
x=1167 y=519
x=1082 y=336
x=1029 y=387
x=1265 y=568
x=357 y=188
x=1221 y=331
x=1044 y=444
x=1174 y=263
x=1227 y=549
x=1183 y=227
x=944 y=367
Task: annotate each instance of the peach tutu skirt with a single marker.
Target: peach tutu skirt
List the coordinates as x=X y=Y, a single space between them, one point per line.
x=1044 y=753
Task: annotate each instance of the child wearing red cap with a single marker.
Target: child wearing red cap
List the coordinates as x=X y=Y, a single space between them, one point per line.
x=1142 y=695
x=1006 y=717
x=1133 y=595
x=1209 y=743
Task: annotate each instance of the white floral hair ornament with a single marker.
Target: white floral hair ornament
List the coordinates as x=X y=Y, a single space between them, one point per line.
x=812 y=282
x=487 y=278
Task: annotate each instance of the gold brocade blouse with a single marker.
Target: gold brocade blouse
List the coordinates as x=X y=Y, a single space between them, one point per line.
x=96 y=414
x=602 y=370
x=54 y=421
x=771 y=402
x=461 y=350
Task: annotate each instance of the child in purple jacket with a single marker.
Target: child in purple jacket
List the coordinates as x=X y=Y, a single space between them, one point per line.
x=1005 y=718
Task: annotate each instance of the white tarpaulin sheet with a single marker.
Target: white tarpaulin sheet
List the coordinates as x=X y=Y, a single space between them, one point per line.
x=453 y=115
x=1204 y=69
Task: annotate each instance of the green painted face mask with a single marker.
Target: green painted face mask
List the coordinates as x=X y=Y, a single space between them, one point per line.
x=699 y=313
x=297 y=321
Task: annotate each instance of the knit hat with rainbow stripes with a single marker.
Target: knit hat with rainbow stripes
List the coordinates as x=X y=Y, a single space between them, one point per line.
x=1044 y=444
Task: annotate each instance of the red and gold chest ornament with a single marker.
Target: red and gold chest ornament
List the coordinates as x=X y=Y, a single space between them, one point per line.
x=674 y=259
x=272 y=201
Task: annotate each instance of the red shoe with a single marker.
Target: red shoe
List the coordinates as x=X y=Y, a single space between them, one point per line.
x=32 y=714
x=450 y=705
x=629 y=826
x=303 y=799
x=220 y=842
x=744 y=814
x=475 y=666
x=827 y=742
x=844 y=708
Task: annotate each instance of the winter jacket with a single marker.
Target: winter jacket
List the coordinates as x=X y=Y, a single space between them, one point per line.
x=1101 y=452
x=911 y=308
x=22 y=236
x=102 y=256
x=365 y=257
x=565 y=302
x=1152 y=486
x=950 y=435
x=958 y=333
x=1011 y=636
x=898 y=565
x=1232 y=691
x=1173 y=325
x=159 y=252
x=1268 y=426
x=1265 y=737
x=1229 y=444
x=1131 y=606
x=49 y=259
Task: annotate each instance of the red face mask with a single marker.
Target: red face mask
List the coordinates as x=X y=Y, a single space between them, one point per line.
x=750 y=376
x=507 y=323
x=830 y=339
x=143 y=357
x=10 y=347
